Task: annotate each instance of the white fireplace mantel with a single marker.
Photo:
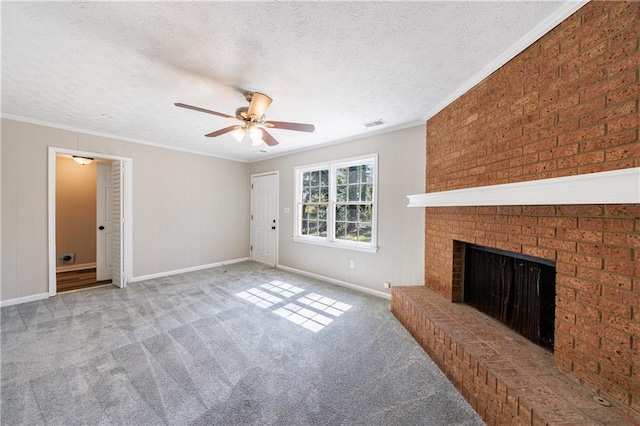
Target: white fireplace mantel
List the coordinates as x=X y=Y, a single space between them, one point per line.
x=611 y=187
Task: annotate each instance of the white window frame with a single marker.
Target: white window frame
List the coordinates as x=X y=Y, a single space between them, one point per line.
x=330 y=240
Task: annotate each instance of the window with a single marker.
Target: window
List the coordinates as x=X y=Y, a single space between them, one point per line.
x=336 y=203
x=315 y=202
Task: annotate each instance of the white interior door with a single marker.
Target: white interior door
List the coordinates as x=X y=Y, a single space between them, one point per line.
x=264 y=212
x=118 y=267
x=104 y=222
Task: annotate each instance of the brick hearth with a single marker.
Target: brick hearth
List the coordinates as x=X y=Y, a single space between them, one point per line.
x=506 y=378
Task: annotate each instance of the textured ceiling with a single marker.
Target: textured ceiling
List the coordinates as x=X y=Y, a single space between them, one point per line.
x=117 y=68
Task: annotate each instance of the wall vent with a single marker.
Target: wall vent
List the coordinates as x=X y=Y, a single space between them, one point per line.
x=378 y=122
x=67 y=258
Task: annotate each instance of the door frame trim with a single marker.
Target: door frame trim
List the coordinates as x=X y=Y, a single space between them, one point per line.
x=127 y=202
x=277 y=247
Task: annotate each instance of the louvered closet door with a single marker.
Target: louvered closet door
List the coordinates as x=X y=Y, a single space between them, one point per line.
x=118 y=258
x=104 y=238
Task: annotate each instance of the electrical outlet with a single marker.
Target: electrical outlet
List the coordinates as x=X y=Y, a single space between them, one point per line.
x=352 y=264
x=387 y=284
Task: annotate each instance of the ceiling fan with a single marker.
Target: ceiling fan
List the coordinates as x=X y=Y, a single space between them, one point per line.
x=252 y=121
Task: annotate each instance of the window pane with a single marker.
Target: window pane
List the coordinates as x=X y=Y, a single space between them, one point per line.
x=352 y=231
x=315 y=196
x=341 y=193
x=322 y=228
x=353 y=174
x=324 y=177
x=306 y=178
x=313 y=227
x=367 y=173
x=305 y=194
x=315 y=178
x=340 y=230
x=366 y=192
x=313 y=212
x=341 y=213
x=364 y=232
x=324 y=194
x=354 y=192
x=352 y=215
x=322 y=212
x=365 y=213
x=341 y=176
x=305 y=227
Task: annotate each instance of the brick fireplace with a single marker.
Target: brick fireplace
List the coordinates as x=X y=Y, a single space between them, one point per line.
x=567 y=105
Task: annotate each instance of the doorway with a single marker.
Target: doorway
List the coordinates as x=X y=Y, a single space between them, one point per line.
x=83 y=228
x=108 y=230
x=264 y=218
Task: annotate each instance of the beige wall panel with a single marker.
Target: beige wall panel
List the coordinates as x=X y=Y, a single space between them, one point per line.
x=213 y=210
x=24 y=206
x=180 y=218
x=192 y=221
x=146 y=209
x=40 y=206
x=400 y=256
x=63 y=139
x=237 y=238
x=93 y=143
x=407 y=182
x=185 y=207
x=171 y=209
x=9 y=211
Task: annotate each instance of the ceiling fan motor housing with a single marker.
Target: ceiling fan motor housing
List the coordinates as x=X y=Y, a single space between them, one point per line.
x=241 y=113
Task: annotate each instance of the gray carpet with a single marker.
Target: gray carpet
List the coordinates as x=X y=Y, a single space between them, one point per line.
x=237 y=345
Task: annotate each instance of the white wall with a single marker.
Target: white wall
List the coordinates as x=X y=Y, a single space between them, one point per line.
x=188 y=210
x=400 y=258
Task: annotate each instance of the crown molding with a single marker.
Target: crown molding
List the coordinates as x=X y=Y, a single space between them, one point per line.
x=110 y=136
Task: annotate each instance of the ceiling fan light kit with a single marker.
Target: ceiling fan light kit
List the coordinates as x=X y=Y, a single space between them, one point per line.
x=252 y=133
x=253 y=121
x=239 y=134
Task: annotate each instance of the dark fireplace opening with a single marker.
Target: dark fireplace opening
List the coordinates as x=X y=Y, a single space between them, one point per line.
x=515 y=289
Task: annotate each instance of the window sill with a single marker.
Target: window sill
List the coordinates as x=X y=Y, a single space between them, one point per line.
x=335 y=245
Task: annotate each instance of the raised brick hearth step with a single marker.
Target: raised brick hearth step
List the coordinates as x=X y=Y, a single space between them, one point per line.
x=506 y=378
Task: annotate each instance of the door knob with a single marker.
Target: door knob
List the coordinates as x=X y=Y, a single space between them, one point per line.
x=101 y=228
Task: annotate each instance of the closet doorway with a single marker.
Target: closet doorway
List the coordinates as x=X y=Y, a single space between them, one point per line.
x=89 y=220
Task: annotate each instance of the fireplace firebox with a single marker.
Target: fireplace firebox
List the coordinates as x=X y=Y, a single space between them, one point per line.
x=515 y=289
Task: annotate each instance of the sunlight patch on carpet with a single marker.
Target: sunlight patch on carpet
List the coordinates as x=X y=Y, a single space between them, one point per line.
x=313 y=316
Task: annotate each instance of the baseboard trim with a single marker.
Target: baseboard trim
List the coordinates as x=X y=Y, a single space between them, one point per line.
x=184 y=270
x=336 y=282
x=25 y=299
x=79 y=267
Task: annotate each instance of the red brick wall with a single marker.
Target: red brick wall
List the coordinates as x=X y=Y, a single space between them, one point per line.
x=566 y=105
